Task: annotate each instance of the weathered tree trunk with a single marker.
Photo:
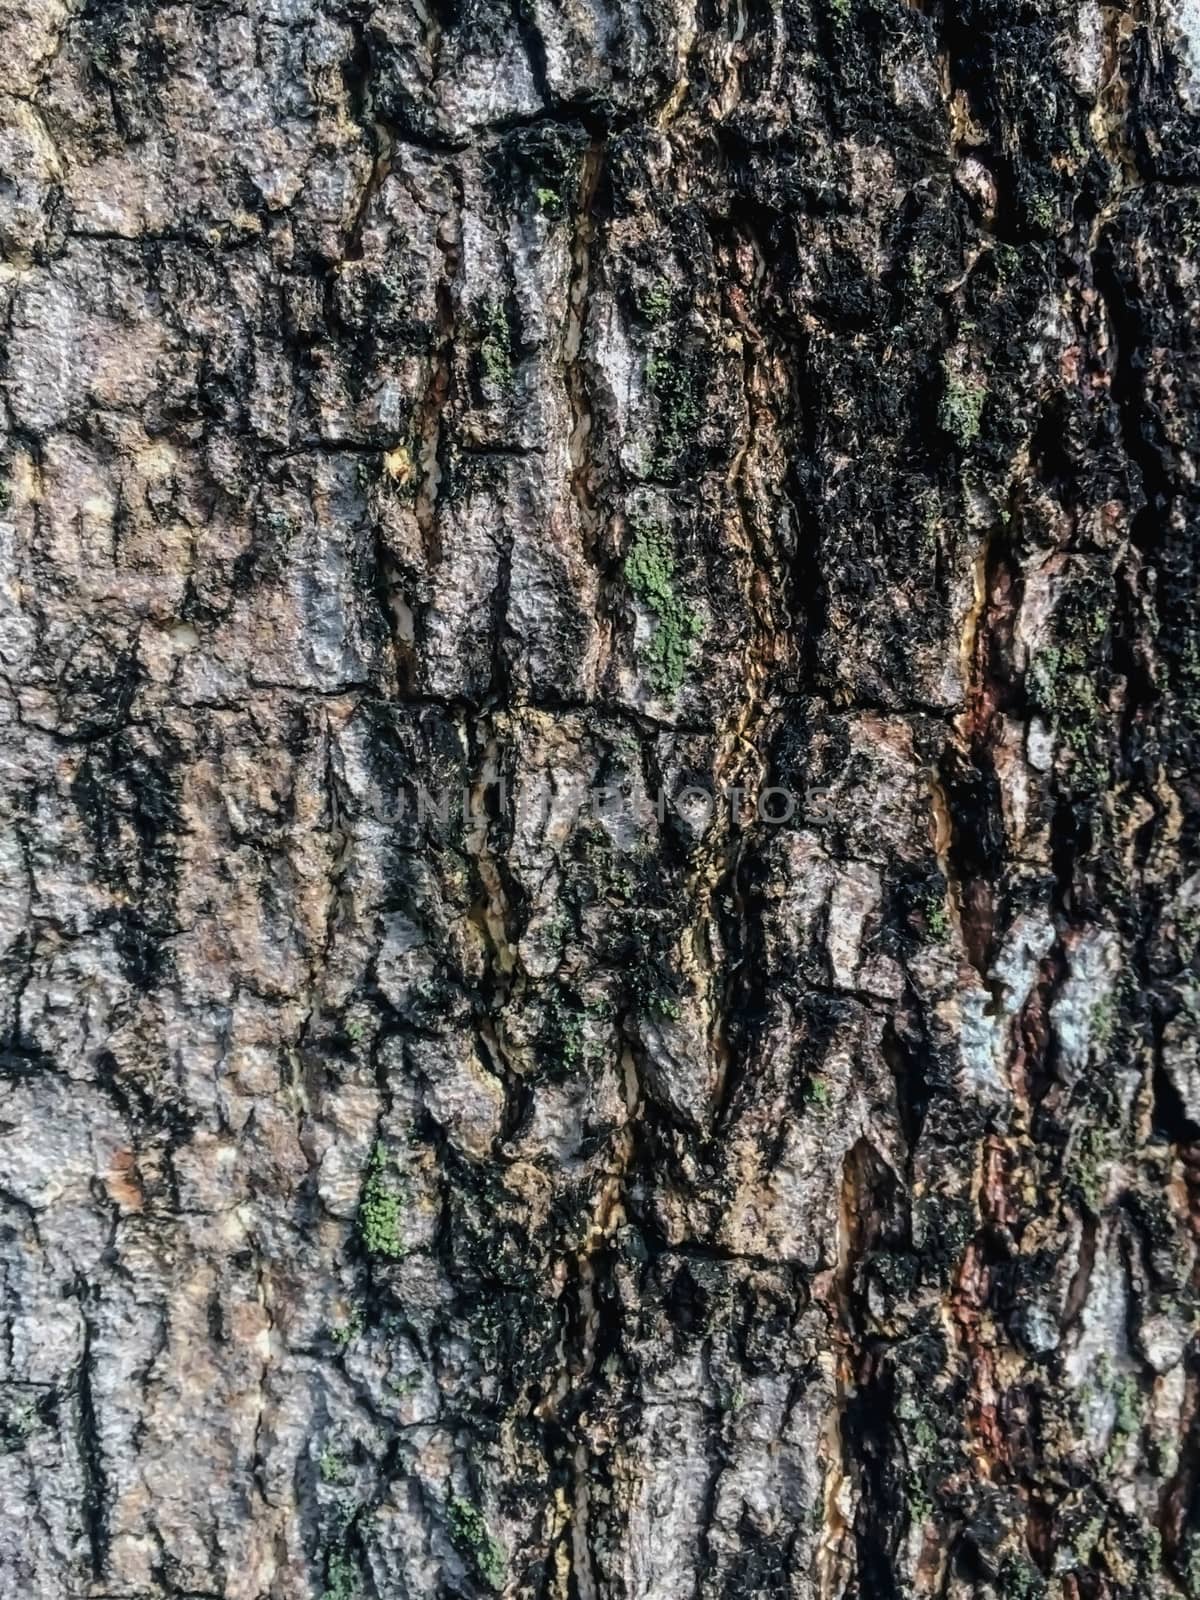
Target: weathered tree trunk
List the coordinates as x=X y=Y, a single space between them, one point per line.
x=795 y=1196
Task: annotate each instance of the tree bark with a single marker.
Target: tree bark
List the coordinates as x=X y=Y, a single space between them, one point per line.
x=590 y=1191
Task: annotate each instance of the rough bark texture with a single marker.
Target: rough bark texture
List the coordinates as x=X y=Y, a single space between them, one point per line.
x=643 y=394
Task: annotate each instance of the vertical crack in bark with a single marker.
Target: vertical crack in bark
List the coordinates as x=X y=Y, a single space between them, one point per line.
x=381 y=166
x=582 y=415
x=492 y=913
x=95 y=1486
x=967 y=798
x=428 y=416
x=740 y=764
x=525 y=16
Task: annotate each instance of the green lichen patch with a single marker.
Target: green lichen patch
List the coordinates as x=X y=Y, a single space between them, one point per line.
x=1042 y=213
x=343 y=1580
x=1066 y=682
x=929 y=1452
x=1128 y=1414
x=1188 y=1563
x=379 y=1210
x=332 y=1466
x=599 y=871
x=1122 y=1389
x=1060 y=685
x=650 y=988
x=650 y=573
x=544 y=163
x=346 y=1332
x=816 y=1093
x=495 y=346
x=341 y=1577
x=934 y=915
x=919 y=905
x=655 y=302
x=566 y=1032
x=471 y=1538
x=1099 y=1138
x=1019 y=1580
x=1087 y=1173
x=673 y=387
x=18 y=1422
x=960 y=411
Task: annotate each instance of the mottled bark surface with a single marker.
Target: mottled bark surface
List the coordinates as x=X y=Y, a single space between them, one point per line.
x=633 y=393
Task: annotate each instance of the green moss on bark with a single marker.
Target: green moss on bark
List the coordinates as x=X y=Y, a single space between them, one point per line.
x=650 y=573
x=469 y=1532
x=379 y=1210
